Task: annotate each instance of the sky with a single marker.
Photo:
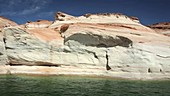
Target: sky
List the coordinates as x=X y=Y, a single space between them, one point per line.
x=148 y=11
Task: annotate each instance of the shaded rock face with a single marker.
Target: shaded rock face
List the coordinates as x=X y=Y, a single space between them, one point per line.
x=106 y=47
x=100 y=41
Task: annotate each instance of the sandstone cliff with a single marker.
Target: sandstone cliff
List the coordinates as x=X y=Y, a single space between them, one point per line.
x=107 y=44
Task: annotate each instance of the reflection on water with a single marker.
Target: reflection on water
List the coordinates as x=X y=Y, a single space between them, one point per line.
x=79 y=86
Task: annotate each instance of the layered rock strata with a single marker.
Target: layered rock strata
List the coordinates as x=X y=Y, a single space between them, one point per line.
x=111 y=45
x=161 y=28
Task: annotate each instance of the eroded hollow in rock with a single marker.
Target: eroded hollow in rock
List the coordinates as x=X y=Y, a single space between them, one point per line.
x=99 y=40
x=125 y=42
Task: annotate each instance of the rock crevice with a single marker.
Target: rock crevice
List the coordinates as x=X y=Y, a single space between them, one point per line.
x=107 y=62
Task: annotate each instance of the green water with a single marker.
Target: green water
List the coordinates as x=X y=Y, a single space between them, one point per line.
x=79 y=86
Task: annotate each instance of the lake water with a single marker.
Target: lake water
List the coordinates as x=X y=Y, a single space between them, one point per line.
x=11 y=85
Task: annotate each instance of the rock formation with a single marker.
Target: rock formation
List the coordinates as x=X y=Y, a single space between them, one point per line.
x=38 y=24
x=106 y=44
x=162 y=28
x=64 y=27
x=4 y=22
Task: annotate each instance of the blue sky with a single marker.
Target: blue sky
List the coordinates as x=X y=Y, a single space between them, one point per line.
x=148 y=11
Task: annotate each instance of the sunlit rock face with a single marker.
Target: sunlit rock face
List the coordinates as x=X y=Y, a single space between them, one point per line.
x=109 y=18
x=38 y=24
x=4 y=22
x=99 y=44
x=161 y=28
x=3 y=56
